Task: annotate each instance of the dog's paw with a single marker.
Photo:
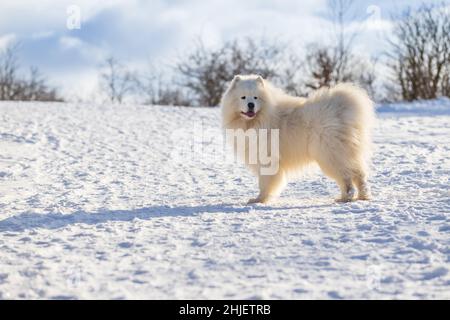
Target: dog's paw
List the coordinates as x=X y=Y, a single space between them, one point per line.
x=254 y=200
x=259 y=200
x=344 y=200
x=348 y=196
x=365 y=197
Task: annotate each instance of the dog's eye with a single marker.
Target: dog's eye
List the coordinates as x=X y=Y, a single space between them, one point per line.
x=243 y=98
x=256 y=98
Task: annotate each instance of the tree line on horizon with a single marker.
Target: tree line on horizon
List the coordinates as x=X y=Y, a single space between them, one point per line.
x=417 y=62
x=15 y=86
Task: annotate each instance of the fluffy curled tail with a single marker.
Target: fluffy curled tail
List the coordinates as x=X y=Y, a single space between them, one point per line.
x=362 y=116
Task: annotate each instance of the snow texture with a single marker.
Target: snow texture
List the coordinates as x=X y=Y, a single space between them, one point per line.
x=121 y=202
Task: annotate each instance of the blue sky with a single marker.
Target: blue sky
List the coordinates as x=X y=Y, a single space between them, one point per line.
x=138 y=31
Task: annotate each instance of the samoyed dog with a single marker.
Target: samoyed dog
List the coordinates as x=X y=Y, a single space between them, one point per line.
x=331 y=127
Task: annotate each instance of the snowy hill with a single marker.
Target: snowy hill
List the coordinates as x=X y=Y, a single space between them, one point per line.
x=138 y=202
x=431 y=107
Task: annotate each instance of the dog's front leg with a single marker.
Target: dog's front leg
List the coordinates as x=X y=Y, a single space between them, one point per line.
x=270 y=187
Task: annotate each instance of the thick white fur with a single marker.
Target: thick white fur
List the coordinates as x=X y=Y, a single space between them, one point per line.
x=331 y=127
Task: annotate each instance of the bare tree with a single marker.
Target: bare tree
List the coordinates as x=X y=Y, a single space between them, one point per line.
x=420 y=53
x=116 y=80
x=322 y=66
x=14 y=86
x=153 y=87
x=340 y=11
x=324 y=69
x=331 y=64
x=206 y=72
x=35 y=88
x=290 y=74
x=8 y=73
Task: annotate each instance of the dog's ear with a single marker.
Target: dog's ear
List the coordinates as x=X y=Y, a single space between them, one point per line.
x=235 y=80
x=260 y=80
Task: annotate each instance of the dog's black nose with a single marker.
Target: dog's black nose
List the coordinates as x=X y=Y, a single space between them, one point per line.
x=251 y=105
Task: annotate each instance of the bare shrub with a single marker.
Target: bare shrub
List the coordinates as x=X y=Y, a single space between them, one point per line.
x=205 y=72
x=15 y=86
x=116 y=80
x=154 y=87
x=329 y=64
x=420 y=54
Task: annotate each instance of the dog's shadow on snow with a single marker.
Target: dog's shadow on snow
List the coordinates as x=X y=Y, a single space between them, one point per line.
x=29 y=220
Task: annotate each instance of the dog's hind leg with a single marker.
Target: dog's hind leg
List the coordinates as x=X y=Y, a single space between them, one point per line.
x=338 y=172
x=270 y=186
x=347 y=190
x=360 y=180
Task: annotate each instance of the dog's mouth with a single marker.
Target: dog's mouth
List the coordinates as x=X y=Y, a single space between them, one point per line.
x=249 y=114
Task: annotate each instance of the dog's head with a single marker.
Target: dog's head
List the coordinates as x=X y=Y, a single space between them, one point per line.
x=246 y=97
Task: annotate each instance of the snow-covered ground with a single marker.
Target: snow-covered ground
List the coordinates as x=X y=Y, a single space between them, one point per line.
x=110 y=202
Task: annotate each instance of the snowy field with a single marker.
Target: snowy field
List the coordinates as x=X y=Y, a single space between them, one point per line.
x=111 y=202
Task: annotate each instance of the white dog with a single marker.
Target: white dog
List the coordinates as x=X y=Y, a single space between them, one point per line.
x=332 y=127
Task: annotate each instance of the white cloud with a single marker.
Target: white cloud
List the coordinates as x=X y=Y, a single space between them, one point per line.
x=6 y=40
x=163 y=28
x=86 y=50
x=29 y=16
x=42 y=35
x=70 y=42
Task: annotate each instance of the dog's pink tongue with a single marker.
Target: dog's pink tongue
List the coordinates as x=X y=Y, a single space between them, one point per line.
x=250 y=114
